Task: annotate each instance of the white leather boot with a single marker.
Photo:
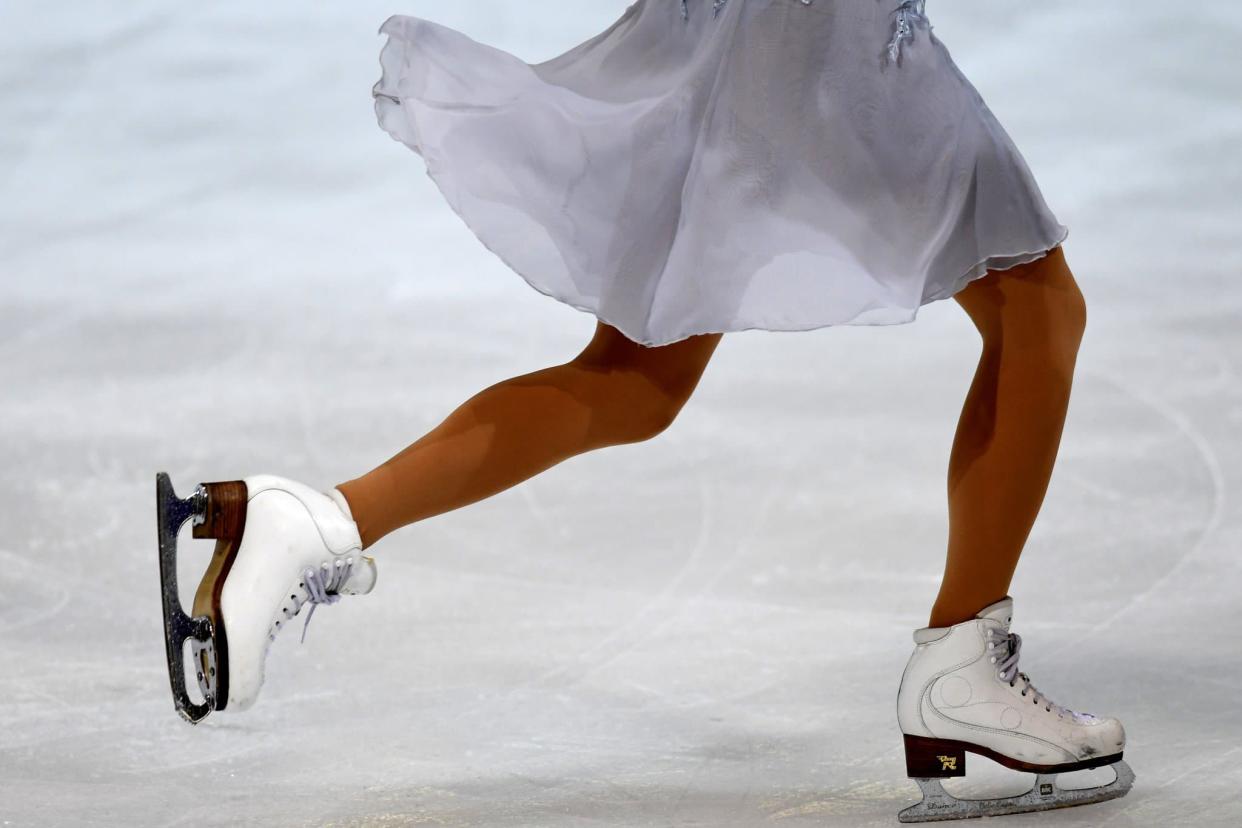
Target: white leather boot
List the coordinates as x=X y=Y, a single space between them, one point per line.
x=297 y=546
x=962 y=692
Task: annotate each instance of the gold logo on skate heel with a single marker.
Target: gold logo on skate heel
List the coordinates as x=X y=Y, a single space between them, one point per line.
x=948 y=762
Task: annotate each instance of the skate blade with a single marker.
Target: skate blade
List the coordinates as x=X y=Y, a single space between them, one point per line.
x=938 y=805
x=171 y=514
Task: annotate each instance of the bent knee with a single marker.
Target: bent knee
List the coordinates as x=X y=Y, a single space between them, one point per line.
x=630 y=408
x=657 y=417
x=1063 y=319
x=1042 y=308
x=645 y=411
x=1075 y=312
x=645 y=388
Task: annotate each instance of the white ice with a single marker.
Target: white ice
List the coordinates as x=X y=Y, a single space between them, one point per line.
x=212 y=262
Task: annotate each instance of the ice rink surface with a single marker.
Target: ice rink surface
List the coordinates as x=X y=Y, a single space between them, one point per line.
x=212 y=262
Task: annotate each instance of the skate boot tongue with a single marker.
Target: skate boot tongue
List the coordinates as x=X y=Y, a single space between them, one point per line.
x=362 y=579
x=1001 y=612
x=326 y=584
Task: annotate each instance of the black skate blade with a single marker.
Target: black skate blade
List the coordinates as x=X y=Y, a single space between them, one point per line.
x=939 y=806
x=171 y=514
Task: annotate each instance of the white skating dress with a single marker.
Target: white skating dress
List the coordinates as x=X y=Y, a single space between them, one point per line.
x=723 y=165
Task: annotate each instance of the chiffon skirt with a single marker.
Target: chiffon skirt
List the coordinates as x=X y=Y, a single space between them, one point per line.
x=708 y=166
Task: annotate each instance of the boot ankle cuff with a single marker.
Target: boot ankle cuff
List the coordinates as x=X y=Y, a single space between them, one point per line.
x=337 y=496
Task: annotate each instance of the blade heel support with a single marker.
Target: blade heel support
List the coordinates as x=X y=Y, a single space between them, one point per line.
x=216 y=511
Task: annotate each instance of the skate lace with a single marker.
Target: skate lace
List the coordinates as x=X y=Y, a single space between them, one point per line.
x=1005 y=648
x=320 y=586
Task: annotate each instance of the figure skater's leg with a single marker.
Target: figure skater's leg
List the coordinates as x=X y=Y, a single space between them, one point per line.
x=616 y=391
x=1032 y=319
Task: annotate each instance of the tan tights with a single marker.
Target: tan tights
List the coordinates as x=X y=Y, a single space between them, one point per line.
x=1031 y=319
x=616 y=391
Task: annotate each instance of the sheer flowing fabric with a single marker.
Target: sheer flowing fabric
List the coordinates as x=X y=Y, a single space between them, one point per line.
x=705 y=167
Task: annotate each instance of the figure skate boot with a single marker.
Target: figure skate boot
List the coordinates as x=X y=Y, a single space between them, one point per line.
x=962 y=692
x=280 y=545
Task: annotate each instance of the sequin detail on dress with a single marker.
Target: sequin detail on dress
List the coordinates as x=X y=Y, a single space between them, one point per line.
x=903 y=27
x=717 y=5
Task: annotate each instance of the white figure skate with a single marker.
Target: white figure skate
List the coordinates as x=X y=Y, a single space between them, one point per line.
x=962 y=692
x=279 y=546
